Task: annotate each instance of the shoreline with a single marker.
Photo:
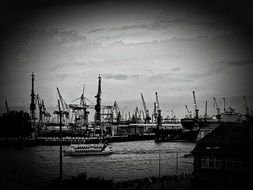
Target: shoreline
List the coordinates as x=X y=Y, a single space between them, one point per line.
x=53 y=141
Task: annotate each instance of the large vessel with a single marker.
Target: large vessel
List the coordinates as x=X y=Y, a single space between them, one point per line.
x=88 y=149
x=206 y=124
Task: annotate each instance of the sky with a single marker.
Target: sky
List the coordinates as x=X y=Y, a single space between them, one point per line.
x=169 y=48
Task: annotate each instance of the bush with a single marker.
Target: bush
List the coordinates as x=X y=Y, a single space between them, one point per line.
x=81 y=181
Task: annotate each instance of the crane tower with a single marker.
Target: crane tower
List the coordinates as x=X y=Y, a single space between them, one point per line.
x=147 y=119
x=196 y=110
x=32 y=105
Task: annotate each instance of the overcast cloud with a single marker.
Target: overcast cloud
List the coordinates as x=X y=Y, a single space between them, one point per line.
x=135 y=48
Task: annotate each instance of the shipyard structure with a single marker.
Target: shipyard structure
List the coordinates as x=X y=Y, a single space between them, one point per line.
x=111 y=121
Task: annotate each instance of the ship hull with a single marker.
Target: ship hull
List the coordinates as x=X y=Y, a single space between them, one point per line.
x=179 y=135
x=188 y=123
x=87 y=153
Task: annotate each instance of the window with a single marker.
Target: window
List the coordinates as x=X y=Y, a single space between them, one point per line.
x=211 y=162
x=204 y=162
x=218 y=163
x=236 y=164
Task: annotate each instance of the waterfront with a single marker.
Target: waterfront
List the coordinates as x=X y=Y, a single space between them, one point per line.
x=39 y=165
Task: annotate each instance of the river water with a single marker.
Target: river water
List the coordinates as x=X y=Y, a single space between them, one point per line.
x=39 y=165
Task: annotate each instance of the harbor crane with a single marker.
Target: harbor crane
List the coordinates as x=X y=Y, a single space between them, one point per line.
x=7 y=107
x=246 y=106
x=148 y=118
x=33 y=96
x=82 y=106
x=173 y=115
x=98 y=103
x=217 y=108
x=154 y=115
x=63 y=102
x=65 y=107
x=38 y=102
x=136 y=111
x=136 y=115
x=117 y=111
x=224 y=104
x=156 y=107
x=46 y=114
x=188 y=111
x=196 y=110
x=157 y=101
x=83 y=99
x=143 y=114
x=205 y=116
x=43 y=114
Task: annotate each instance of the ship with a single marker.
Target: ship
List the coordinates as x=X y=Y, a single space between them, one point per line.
x=88 y=149
x=205 y=125
x=167 y=131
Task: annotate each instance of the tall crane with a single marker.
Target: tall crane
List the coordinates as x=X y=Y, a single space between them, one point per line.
x=117 y=111
x=38 y=102
x=98 y=103
x=196 y=110
x=136 y=111
x=217 y=108
x=173 y=115
x=129 y=115
x=205 y=116
x=188 y=111
x=47 y=115
x=33 y=96
x=7 y=107
x=224 y=104
x=246 y=106
x=156 y=107
x=82 y=98
x=63 y=103
x=65 y=107
x=157 y=101
x=43 y=114
x=82 y=106
x=154 y=115
x=147 y=119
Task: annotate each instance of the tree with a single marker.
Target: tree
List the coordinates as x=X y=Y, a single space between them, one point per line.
x=15 y=124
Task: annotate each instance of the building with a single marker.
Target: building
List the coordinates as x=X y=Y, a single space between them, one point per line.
x=223 y=158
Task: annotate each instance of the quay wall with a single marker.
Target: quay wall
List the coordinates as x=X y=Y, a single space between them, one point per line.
x=19 y=142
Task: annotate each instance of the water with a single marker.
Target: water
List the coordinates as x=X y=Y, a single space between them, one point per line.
x=33 y=166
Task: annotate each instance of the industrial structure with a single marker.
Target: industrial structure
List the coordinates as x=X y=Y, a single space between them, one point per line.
x=98 y=105
x=218 y=116
x=147 y=117
x=32 y=105
x=111 y=120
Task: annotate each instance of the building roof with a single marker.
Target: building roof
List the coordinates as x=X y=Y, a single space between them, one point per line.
x=228 y=137
x=228 y=133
